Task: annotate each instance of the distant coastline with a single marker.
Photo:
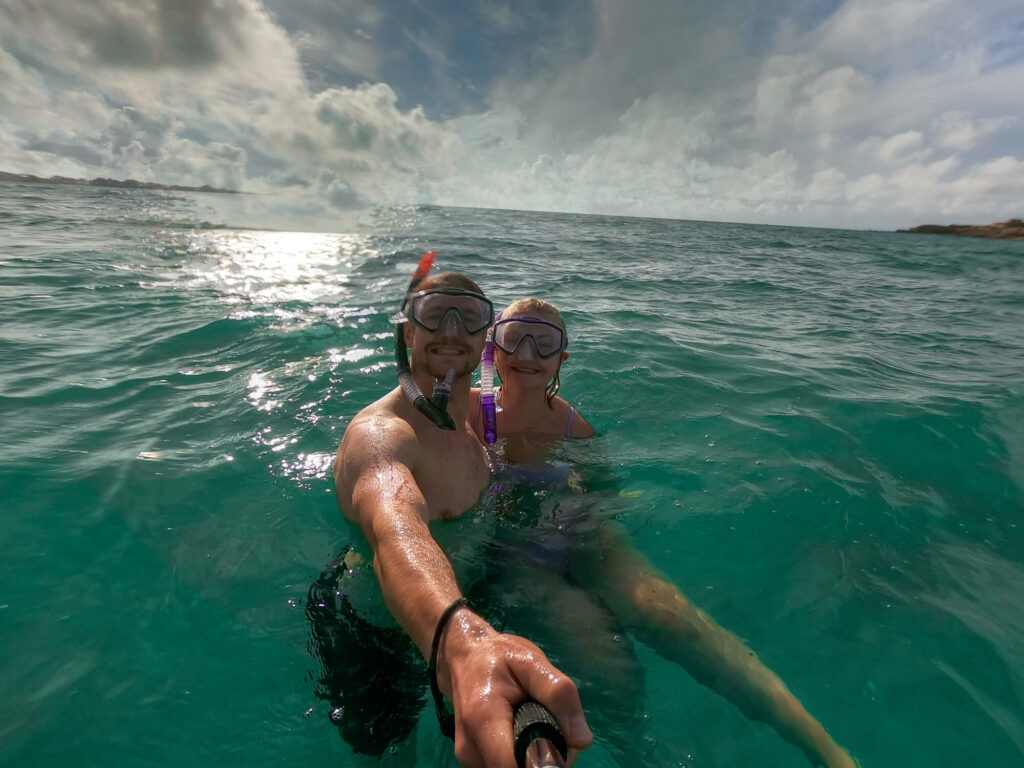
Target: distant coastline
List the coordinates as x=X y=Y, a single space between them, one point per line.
x=28 y=178
x=1003 y=230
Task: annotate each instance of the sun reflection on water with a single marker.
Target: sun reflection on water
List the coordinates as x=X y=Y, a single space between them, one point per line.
x=308 y=468
x=272 y=268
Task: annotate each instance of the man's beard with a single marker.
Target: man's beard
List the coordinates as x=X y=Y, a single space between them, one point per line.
x=438 y=368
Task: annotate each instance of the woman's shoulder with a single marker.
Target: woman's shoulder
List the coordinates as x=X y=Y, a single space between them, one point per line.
x=576 y=426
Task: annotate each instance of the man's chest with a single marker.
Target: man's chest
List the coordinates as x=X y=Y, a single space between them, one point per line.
x=452 y=475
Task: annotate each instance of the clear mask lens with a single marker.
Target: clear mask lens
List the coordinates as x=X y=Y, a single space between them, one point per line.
x=548 y=338
x=430 y=308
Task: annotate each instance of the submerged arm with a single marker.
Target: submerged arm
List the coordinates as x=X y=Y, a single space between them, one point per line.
x=663 y=618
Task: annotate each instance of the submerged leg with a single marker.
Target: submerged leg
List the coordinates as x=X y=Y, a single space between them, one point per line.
x=372 y=677
x=584 y=640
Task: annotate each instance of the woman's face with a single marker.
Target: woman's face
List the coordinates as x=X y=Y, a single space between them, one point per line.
x=524 y=367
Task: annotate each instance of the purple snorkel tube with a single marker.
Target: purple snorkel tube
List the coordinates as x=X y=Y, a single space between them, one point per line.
x=487 y=404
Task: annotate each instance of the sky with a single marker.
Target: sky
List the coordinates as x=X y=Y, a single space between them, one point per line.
x=870 y=114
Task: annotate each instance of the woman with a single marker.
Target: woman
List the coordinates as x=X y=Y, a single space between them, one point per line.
x=579 y=567
x=529 y=346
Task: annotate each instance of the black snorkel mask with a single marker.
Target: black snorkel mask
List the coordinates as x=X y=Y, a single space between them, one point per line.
x=435 y=407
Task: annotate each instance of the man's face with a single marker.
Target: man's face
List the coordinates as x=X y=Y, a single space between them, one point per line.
x=450 y=346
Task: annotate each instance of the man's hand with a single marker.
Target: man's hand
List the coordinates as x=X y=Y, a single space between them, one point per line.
x=486 y=674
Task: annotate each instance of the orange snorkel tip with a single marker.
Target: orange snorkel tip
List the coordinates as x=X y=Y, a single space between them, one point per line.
x=422 y=269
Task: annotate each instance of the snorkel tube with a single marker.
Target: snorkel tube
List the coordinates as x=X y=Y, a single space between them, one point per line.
x=436 y=407
x=487 y=406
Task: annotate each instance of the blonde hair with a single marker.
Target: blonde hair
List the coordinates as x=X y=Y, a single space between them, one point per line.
x=541 y=310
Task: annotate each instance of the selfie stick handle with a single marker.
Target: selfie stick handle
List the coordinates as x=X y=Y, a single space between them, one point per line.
x=539 y=742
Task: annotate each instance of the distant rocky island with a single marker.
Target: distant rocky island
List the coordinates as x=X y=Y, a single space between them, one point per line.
x=1003 y=230
x=27 y=178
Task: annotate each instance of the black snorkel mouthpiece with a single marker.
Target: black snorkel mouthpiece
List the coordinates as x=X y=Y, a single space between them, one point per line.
x=434 y=408
x=443 y=390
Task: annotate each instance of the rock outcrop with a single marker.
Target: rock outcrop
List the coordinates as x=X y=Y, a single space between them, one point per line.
x=1003 y=230
x=27 y=178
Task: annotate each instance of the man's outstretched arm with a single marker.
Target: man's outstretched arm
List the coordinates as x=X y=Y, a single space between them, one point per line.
x=484 y=673
x=663 y=618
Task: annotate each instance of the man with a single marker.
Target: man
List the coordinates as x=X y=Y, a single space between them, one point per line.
x=395 y=472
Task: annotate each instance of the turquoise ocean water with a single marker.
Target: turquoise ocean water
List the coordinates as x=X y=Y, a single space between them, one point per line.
x=819 y=436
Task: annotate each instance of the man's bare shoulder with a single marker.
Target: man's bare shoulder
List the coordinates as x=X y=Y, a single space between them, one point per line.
x=378 y=438
x=377 y=433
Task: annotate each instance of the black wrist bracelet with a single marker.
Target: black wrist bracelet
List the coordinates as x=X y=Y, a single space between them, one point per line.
x=444 y=718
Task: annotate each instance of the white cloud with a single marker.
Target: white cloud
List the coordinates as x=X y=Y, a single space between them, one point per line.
x=838 y=97
x=906 y=147
x=902 y=188
x=854 y=115
x=192 y=123
x=957 y=130
x=878 y=31
x=993 y=184
x=334 y=38
x=827 y=187
x=882 y=113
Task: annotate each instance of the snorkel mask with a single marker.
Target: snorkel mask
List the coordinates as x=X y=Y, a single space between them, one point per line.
x=430 y=310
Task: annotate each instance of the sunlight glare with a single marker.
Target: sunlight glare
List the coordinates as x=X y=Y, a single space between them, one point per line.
x=269 y=268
